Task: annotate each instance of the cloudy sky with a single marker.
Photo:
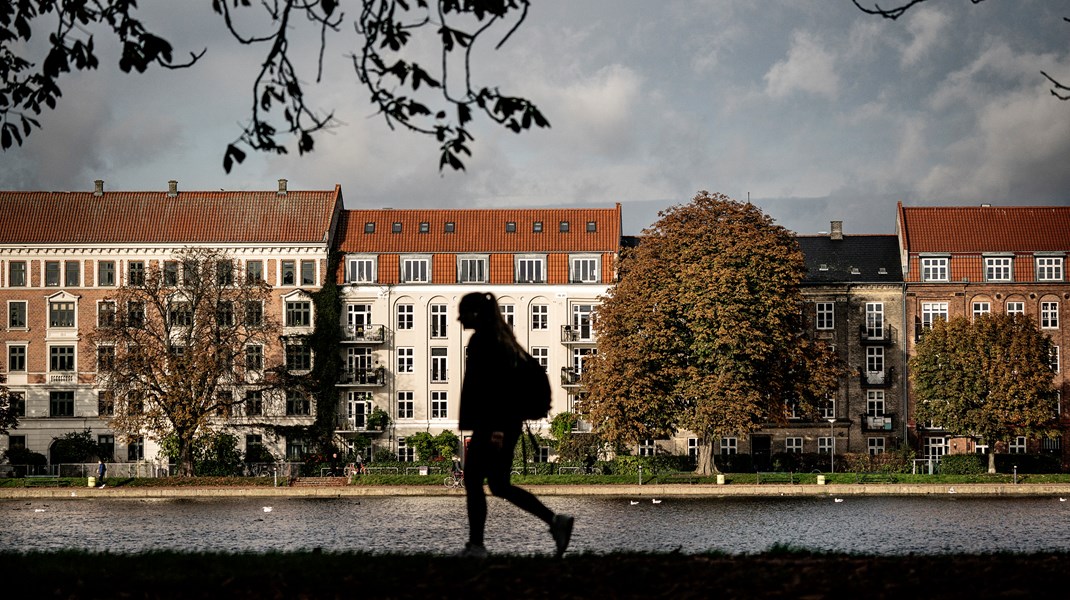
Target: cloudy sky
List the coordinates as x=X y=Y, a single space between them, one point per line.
x=810 y=108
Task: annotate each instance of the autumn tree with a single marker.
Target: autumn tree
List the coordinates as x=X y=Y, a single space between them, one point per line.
x=989 y=378
x=183 y=343
x=9 y=412
x=703 y=331
x=431 y=94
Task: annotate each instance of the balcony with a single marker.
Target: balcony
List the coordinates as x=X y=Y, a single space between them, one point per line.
x=877 y=336
x=580 y=335
x=355 y=424
x=363 y=334
x=877 y=379
x=872 y=424
x=61 y=378
x=570 y=377
x=363 y=377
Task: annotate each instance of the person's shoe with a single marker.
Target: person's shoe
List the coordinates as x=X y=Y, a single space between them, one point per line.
x=561 y=529
x=473 y=551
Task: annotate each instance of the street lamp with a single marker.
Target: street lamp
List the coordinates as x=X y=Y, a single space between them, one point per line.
x=832 y=445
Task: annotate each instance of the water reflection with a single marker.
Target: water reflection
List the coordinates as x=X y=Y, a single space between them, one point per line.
x=437 y=524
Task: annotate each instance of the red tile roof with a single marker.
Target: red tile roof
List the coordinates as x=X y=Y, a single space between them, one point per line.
x=480 y=230
x=985 y=228
x=155 y=217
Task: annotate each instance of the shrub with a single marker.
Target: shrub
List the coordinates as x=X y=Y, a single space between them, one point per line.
x=734 y=463
x=963 y=464
x=23 y=456
x=1028 y=463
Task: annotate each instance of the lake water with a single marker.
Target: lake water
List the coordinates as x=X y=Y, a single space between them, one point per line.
x=898 y=525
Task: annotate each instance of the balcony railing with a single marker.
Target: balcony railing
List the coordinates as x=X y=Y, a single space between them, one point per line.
x=886 y=335
x=61 y=378
x=574 y=335
x=366 y=377
x=877 y=379
x=363 y=334
x=355 y=423
x=871 y=423
x=570 y=376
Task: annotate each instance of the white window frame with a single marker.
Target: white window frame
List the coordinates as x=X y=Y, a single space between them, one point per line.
x=1018 y=445
x=114 y=273
x=981 y=307
x=1049 y=315
x=828 y=408
x=508 y=312
x=875 y=359
x=930 y=311
x=1049 y=268
x=999 y=268
x=935 y=447
x=440 y=364
x=824 y=315
x=439 y=404
x=530 y=269
x=542 y=355
x=288 y=312
x=875 y=320
x=585 y=269
x=540 y=317
x=875 y=405
x=875 y=446
x=361 y=269
x=406 y=360
x=729 y=445
x=1016 y=307
x=415 y=269
x=1055 y=358
x=439 y=324
x=647 y=447
x=405 y=452
x=793 y=445
x=934 y=268
x=472 y=269
x=406 y=405
x=824 y=445
x=405 y=316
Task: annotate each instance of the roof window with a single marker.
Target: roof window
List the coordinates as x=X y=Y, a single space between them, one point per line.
x=369 y=227
x=396 y=227
x=563 y=227
x=425 y=227
x=536 y=227
x=450 y=226
x=510 y=227
x=592 y=226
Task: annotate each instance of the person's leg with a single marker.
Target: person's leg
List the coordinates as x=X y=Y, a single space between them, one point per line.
x=475 y=469
x=498 y=479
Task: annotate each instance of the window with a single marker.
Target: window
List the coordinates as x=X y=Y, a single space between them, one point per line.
x=224 y=273
x=875 y=320
x=405 y=405
x=472 y=270
x=360 y=270
x=510 y=227
x=647 y=448
x=61 y=404
x=998 y=268
x=530 y=270
x=358 y=318
x=931 y=311
x=439 y=405
x=450 y=227
x=415 y=270
x=1049 y=268
x=105 y=314
x=61 y=313
x=16 y=314
x=585 y=270
x=135 y=314
x=135 y=272
x=563 y=226
x=61 y=358
x=1055 y=359
x=828 y=408
x=297 y=403
x=405 y=452
x=793 y=445
x=935 y=447
x=874 y=403
x=180 y=314
x=1016 y=308
x=405 y=360
x=296 y=448
x=508 y=313
x=369 y=227
x=16 y=359
x=72 y=273
x=1049 y=315
x=825 y=315
x=254 y=271
x=692 y=448
x=254 y=403
x=16 y=442
x=729 y=445
x=876 y=446
x=135 y=448
x=16 y=273
x=52 y=273
x=308 y=272
x=542 y=355
x=289 y=272
x=395 y=227
x=581 y=322
x=536 y=227
x=298 y=313
x=934 y=269
x=875 y=359
x=981 y=308
x=105 y=358
x=254 y=357
x=439 y=321
x=592 y=226
x=106 y=273
x=105 y=403
x=540 y=316
x=224 y=313
x=405 y=313
x=425 y=227
x=170 y=273
x=298 y=357
x=1017 y=445
x=439 y=363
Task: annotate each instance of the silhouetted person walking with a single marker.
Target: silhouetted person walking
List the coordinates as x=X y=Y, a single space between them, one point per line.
x=488 y=411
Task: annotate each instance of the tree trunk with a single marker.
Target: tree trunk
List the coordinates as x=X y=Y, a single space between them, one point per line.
x=705 y=465
x=992 y=460
x=185 y=456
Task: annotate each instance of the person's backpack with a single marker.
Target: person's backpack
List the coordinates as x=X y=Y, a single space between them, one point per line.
x=533 y=389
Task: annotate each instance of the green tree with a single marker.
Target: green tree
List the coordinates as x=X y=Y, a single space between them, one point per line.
x=989 y=377
x=75 y=447
x=703 y=331
x=447 y=444
x=424 y=445
x=173 y=348
x=9 y=412
x=413 y=61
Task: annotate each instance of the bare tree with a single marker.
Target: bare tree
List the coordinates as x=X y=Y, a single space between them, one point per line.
x=183 y=345
x=439 y=101
x=1058 y=89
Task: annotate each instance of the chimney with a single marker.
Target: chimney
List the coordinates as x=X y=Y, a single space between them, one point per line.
x=172 y=188
x=98 y=187
x=282 y=187
x=837 y=230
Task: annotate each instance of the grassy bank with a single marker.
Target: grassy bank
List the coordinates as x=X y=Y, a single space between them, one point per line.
x=778 y=573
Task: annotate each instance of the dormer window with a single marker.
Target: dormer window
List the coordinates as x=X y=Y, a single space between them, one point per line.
x=395 y=228
x=425 y=227
x=510 y=227
x=450 y=226
x=369 y=227
x=823 y=267
x=592 y=226
x=536 y=227
x=934 y=268
x=563 y=227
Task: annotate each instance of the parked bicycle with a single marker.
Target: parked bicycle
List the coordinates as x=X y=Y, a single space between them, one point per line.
x=454 y=480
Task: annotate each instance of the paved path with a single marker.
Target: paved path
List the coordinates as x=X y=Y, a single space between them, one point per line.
x=1061 y=490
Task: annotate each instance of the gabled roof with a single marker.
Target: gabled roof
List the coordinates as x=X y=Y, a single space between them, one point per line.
x=985 y=228
x=480 y=230
x=158 y=217
x=853 y=259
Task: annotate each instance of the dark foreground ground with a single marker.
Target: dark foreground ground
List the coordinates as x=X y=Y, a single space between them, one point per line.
x=776 y=574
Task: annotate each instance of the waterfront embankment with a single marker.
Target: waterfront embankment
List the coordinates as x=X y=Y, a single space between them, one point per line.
x=1061 y=490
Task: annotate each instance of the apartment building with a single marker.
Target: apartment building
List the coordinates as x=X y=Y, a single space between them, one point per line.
x=62 y=254
x=404 y=273
x=966 y=261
